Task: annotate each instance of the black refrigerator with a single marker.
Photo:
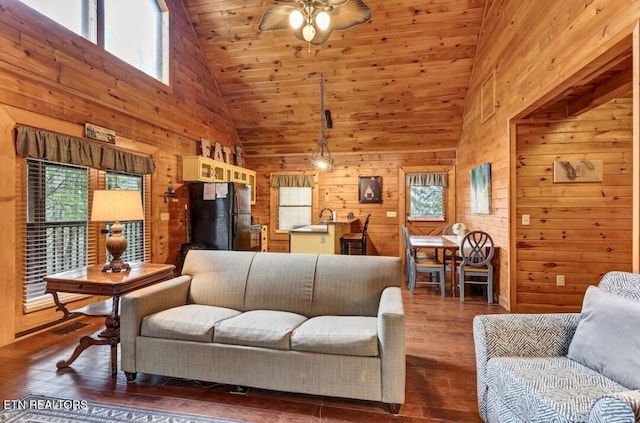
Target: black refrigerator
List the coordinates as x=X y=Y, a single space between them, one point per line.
x=220 y=216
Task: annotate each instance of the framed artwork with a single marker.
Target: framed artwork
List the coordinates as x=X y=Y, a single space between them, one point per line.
x=577 y=171
x=370 y=189
x=480 y=180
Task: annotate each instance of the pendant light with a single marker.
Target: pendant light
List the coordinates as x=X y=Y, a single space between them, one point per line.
x=321 y=158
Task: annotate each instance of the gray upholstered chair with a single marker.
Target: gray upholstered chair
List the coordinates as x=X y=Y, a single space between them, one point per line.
x=564 y=367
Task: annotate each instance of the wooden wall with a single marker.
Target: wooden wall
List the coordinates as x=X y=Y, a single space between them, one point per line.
x=338 y=190
x=580 y=229
x=55 y=79
x=526 y=52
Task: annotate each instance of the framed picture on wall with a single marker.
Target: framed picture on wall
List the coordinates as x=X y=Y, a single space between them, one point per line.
x=370 y=189
x=480 y=180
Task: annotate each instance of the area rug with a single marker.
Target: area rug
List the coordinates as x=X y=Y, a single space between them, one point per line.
x=42 y=409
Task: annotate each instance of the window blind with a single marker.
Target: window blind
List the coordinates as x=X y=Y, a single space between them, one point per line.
x=294 y=207
x=54 y=215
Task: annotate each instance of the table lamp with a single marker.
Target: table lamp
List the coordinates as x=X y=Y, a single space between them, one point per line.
x=114 y=206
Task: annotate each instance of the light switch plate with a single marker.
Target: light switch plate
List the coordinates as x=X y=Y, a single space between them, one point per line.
x=526 y=219
x=164 y=216
x=392 y=214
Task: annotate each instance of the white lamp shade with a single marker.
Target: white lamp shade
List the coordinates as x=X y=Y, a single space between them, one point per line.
x=323 y=20
x=296 y=19
x=116 y=205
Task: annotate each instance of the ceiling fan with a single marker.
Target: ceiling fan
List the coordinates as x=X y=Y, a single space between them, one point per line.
x=313 y=21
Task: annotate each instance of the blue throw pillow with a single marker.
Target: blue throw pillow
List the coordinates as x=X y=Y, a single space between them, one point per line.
x=607 y=338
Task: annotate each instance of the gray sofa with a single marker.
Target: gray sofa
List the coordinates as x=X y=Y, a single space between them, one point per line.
x=317 y=324
x=566 y=367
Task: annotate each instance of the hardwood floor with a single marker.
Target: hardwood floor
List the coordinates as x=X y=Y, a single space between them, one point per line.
x=441 y=380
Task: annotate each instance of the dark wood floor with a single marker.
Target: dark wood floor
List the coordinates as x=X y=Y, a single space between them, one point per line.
x=441 y=380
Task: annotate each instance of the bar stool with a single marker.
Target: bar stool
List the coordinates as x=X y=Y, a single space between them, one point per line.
x=355 y=243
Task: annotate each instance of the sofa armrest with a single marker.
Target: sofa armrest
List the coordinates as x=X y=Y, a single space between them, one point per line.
x=621 y=407
x=391 y=344
x=137 y=304
x=519 y=335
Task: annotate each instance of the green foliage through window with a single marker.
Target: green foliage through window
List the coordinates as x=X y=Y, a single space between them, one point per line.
x=426 y=202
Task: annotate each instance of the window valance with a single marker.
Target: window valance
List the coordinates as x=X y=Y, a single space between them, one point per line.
x=278 y=181
x=41 y=144
x=426 y=179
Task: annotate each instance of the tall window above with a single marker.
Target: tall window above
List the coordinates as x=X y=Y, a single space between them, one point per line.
x=135 y=31
x=426 y=196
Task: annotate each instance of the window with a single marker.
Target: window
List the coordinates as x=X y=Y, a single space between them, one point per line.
x=57 y=232
x=136 y=31
x=294 y=207
x=426 y=196
x=56 y=221
x=427 y=202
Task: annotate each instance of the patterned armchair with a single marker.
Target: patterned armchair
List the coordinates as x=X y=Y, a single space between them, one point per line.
x=527 y=373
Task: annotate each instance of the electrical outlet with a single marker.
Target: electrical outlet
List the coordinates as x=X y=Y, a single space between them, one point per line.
x=526 y=219
x=560 y=280
x=164 y=216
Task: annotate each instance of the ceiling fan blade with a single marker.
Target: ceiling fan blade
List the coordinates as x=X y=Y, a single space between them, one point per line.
x=352 y=13
x=276 y=18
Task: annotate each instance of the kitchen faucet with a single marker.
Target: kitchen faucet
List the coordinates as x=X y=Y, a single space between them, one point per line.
x=330 y=213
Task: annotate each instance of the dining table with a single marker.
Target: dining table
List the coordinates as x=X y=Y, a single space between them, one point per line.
x=437 y=243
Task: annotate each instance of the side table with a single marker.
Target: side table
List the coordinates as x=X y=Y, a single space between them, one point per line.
x=92 y=280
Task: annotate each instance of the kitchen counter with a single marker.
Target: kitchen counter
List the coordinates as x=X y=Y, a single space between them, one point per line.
x=320 y=238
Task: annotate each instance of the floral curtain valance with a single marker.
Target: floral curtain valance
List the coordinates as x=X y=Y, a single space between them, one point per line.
x=41 y=144
x=278 y=181
x=425 y=179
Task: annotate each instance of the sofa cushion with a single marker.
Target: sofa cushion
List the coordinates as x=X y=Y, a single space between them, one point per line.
x=259 y=328
x=192 y=322
x=347 y=335
x=352 y=285
x=607 y=339
x=544 y=389
x=218 y=278
x=281 y=282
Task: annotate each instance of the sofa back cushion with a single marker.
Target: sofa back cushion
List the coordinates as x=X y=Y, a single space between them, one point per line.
x=352 y=285
x=306 y=284
x=280 y=281
x=218 y=278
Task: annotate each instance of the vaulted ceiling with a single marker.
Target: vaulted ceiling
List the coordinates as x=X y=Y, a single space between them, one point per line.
x=396 y=83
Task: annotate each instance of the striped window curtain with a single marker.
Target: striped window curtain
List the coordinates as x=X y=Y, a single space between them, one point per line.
x=300 y=181
x=427 y=179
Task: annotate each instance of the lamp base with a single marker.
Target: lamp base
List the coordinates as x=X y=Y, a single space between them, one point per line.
x=116 y=245
x=116 y=266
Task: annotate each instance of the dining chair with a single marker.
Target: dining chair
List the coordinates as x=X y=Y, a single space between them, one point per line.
x=476 y=251
x=355 y=243
x=432 y=266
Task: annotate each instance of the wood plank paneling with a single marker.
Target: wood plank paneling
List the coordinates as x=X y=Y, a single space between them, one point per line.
x=532 y=48
x=60 y=80
x=338 y=190
x=580 y=230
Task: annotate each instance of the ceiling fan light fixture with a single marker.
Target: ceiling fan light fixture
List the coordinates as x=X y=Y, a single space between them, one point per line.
x=323 y=20
x=313 y=21
x=308 y=32
x=296 y=19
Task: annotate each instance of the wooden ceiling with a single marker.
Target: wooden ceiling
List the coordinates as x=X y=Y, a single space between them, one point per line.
x=396 y=83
